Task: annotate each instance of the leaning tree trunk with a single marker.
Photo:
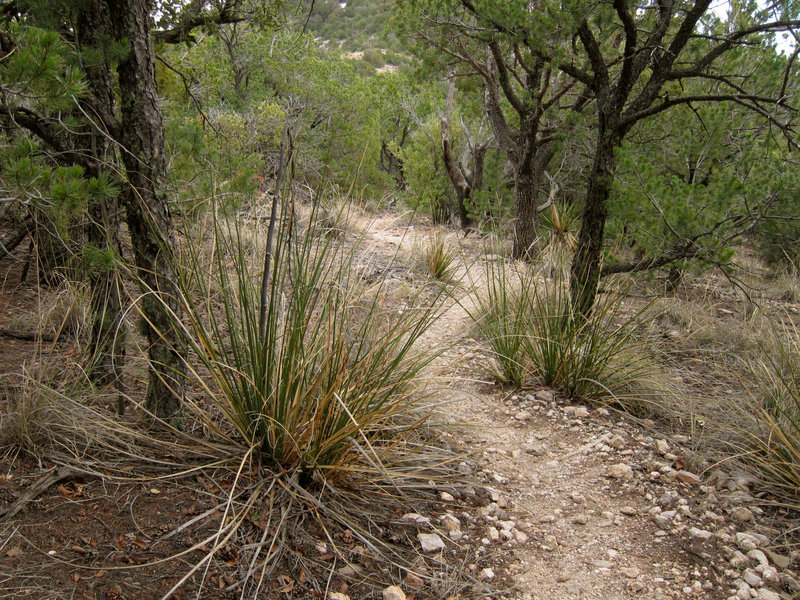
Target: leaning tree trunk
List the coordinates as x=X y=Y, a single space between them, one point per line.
x=459 y=181
x=585 y=271
x=148 y=215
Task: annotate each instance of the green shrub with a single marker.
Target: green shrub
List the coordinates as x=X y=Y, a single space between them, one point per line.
x=326 y=379
x=772 y=443
x=536 y=336
x=440 y=258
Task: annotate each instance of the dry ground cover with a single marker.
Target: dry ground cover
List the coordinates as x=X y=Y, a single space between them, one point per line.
x=508 y=492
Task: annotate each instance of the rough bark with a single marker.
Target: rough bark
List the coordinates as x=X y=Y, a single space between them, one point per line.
x=585 y=270
x=459 y=181
x=107 y=342
x=528 y=183
x=149 y=219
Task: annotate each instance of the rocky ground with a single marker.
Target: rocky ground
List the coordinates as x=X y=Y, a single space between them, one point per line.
x=590 y=504
x=561 y=501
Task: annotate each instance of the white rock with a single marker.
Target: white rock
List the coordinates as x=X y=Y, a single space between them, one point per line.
x=765 y=594
x=620 y=471
x=662 y=447
x=446 y=497
x=771 y=576
x=492 y=533
x=752 y=579
x=630 y=572
x=394 y=593
x=759 y=557
x=487 y=574
x=338 y=596
x=416 y=519
x=450 y=523
x=430 y=542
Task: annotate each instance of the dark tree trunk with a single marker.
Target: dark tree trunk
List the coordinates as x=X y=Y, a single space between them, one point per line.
x=148 y=215
x=107 y=343
x=460 y=183
x=585 y=271
x=528 y=184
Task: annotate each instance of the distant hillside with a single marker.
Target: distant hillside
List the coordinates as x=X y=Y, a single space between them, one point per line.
x=355 y=25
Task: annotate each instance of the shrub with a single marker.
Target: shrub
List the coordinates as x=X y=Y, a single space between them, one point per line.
x=316 y=374
x=535 y=335
x=772 y=443
x=440 y=258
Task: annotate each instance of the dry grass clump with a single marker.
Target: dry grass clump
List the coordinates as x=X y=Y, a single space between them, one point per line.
x=440 y=258
x=768 y=435
x=535 y=335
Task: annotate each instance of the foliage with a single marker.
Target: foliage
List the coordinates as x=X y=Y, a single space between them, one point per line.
x=536 y=335
x=772 y=443
x=440 y=258
x=333 y=377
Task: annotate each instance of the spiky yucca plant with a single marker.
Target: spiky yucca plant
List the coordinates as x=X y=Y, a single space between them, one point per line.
x=772 y=443
x=317 y=382
x=536 y=336
x=440 y=258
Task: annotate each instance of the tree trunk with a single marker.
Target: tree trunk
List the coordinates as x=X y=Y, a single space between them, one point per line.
x=585 y=271
x=528 y=182
x=107 y=343
x=148 y=215
x=462 y=187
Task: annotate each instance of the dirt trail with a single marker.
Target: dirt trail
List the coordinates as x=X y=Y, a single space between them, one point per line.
x=586 y=503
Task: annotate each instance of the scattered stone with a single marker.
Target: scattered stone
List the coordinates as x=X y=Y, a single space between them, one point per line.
x=662 y=447
x=629 y=511
x=687 y=477
x=602 y=564
x=464 y=468
x=741 y=513
x=413 y=581
x=630 y=572
x=520 y=536
x=759 y=557
x=446 y=497
x=573 y=590
x=620 y=471
x=338 y=596
x=321 y=548
x=752 y=579
x=765 y=594
x=562 y=577
x=430 y=542
x=394 y=593
x=492 y=534
x=416 y=519
x=487 y=574
x=779 y=560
